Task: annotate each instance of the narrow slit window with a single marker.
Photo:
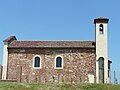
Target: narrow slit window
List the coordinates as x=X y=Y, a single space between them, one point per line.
x=101 y=29
x=59 y=62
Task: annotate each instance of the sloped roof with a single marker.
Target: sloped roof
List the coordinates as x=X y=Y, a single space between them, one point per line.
x=10 y=39
x=52 y=44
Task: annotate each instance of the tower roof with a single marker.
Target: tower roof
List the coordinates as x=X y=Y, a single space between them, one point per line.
x=101 y=20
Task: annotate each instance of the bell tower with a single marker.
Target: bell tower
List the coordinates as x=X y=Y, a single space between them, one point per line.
x=101 y=49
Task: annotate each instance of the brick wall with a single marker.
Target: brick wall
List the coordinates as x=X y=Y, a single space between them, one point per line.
x=78 y=63
x=0 y=72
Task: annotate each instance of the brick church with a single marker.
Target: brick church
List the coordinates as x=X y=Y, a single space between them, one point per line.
x=58 y=61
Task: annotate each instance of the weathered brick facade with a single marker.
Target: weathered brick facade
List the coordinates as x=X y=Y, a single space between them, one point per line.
x=77 y=64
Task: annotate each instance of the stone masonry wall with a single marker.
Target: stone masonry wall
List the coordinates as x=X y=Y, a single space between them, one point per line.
x=77 y=64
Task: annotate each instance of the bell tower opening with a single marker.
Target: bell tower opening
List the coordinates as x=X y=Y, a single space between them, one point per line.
x=101 y=30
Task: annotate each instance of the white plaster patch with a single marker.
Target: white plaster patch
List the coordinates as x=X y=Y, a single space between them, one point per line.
x=91 y=78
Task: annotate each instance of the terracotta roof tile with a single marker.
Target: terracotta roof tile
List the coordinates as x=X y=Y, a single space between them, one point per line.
x=101 y=20
x=10 y=39
x=52 y=44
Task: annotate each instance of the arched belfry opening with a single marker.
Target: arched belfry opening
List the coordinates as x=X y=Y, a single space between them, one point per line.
x=101 y=69
x=101 y=29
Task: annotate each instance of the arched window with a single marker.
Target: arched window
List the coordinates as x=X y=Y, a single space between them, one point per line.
x=37 y=62
x=101 y=29
x=101 y=70
x=58 y=62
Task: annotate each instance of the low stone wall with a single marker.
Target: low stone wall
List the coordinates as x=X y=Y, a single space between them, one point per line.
x=0 y=72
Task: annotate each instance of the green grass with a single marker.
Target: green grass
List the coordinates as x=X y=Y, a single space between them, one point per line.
x=55 y=86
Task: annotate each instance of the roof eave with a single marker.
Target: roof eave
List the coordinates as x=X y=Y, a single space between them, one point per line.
x=49 y=47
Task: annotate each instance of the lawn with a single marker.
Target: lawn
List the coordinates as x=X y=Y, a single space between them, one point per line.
x=55 y=86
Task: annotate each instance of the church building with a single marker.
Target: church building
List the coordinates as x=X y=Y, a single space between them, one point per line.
x=58 y=61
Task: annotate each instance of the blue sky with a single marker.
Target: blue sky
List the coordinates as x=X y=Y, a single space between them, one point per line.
x=60 y=20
